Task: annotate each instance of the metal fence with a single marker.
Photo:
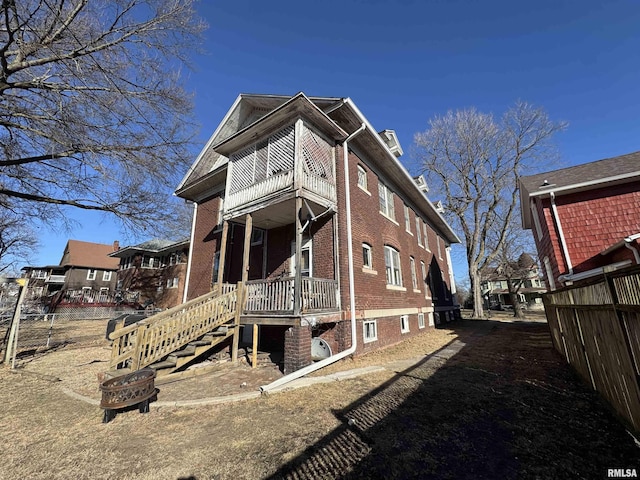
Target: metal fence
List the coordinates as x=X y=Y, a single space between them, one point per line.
x=39 y=332
x=596 y=327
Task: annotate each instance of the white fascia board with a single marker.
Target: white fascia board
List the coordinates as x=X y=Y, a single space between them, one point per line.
x=210 y=141
x=584 y=185
x=404 y=171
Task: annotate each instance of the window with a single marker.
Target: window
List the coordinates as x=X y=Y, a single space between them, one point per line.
x=386 y=201
x=439 y=249
x=392 y=266
x=418 y=230
x=104 y=294
x=106 y=276
x=91 y=274
x=39 y=274
x=414 y=278
x=367 y=258
x=426 y=237
x=404 y=323
x=257 y=236
x=421 y=320
x=424 y=279
x=362 y=178
x=216 y=266
x=173 y=282
x=407 y=220
x=370 y=331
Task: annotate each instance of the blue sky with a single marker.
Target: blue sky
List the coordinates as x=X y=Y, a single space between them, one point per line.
x=403 y=62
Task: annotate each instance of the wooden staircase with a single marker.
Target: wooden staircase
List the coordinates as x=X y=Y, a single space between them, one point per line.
x=171 y=339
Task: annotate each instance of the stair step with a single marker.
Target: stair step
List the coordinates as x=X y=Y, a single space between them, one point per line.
x=116 y=373
x=163 y=364
x=198 y=343
x=185 y=352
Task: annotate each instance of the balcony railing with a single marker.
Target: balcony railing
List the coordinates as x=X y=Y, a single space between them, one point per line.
x=277 y=295
x=55 y=279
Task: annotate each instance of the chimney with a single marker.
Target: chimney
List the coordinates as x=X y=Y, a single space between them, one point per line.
x=116 y=245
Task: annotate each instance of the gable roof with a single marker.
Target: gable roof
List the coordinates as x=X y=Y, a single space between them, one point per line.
x=156 y=246
x=90 y=255
x=587 y=176
x=339 y=115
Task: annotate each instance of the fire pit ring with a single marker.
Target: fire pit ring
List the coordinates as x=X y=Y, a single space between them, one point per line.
x=135 y=388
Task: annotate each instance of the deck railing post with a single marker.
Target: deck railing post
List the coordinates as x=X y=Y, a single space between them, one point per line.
x=240 y=294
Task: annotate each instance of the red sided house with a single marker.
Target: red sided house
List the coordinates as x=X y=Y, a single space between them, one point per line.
x=309 y=239
x=584 y=218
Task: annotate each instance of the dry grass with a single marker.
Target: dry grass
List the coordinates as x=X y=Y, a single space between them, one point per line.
x=506 y=406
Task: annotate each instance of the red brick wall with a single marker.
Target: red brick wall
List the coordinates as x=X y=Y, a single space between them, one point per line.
x=297 y=348
x=205 y=244
x=370 y=226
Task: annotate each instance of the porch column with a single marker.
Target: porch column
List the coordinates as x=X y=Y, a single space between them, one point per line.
x=223 y=253
x=297 y=282
x=242 y=286
x=297 y=348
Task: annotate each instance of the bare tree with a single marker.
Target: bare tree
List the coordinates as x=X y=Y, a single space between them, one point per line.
x=92 y=111
x=513 y=262
x=474 y=162
x=17 y=243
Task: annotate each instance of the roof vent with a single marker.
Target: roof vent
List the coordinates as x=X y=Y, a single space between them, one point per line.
x=391 y=139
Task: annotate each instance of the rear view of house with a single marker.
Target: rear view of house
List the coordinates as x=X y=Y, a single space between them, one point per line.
x=305 y=203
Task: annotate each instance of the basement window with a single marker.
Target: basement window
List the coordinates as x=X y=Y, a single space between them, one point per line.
x=370 y=331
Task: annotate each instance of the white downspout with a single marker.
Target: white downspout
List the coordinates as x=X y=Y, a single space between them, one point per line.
x=636 y=254
x=563 y=242
x=191 y=242
x=352 y=296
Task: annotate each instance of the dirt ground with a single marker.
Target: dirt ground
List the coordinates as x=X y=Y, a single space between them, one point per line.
x=505 y=406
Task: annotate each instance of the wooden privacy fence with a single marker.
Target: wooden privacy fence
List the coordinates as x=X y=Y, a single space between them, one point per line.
x=596 y=327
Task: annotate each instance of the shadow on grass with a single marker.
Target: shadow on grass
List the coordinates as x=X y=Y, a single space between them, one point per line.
x=505 y=406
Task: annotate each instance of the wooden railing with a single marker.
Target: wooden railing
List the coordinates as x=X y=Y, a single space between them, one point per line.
x=319 y=294
x=269 y=295
x=259 y=190
x=277 y=295
x=151 y=339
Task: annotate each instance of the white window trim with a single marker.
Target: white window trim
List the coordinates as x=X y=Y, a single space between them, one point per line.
x=407 y=220
x=404 y=324
x=414 y=276
x=106 y=276
x=418 y=231
x=364 y=331
x=92 y=274
x=395 y=266
x=421 y=323
x=366 y=246
x=389 y=202
x=425 y=276
x=365 y=187
x=426 y=237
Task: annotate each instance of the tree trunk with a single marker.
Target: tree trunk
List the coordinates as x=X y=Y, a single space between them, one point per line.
x=515 y=301
x=478 y=301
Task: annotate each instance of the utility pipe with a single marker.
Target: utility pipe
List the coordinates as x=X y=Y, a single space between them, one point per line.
x=627 y=243
x=191 y=242
x=563 y=243
x=352 y=297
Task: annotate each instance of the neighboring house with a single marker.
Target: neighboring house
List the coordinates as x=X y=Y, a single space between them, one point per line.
x=527 y=282
x=153 y=272
x=272 y=177
x=584 y=218
x=85 y=275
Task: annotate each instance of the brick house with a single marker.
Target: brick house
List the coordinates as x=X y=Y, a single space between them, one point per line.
x=324 y=250
x=153 y=272
x=85 y=275
x=584 y=218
